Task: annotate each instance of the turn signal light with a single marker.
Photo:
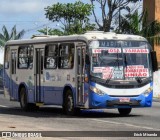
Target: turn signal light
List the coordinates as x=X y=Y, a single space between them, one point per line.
x=86 y=79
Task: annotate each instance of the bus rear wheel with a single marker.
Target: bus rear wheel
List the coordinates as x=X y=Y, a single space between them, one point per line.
x=24 y=102
x=68 y=105
x=124 y=111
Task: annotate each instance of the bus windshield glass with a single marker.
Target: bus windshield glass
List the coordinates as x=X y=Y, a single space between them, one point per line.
x=120 y=60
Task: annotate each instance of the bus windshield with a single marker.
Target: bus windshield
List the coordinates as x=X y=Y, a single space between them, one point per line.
x=120 y=60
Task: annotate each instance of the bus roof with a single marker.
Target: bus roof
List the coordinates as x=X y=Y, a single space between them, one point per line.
x=91 y=35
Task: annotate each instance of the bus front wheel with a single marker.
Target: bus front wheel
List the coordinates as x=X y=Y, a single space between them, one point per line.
x=124 y=111
x=68 y=105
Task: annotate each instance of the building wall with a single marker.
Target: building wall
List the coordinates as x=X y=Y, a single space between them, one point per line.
x=157 y=49
x=153 y=8
x=153 y=11
x=149 y=5
x=157 y=10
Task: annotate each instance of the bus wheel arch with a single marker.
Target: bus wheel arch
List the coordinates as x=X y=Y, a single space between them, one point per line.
x=23 y=99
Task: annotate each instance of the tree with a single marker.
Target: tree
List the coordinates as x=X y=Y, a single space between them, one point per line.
x=135 y=23
x=5 y=36
x=131 y=23
x=110 y=9
x=74 y=17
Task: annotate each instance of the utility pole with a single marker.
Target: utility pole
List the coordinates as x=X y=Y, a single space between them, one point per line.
x=119 y=17
x=47 y=29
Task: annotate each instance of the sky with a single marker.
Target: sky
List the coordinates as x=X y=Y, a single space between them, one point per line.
x=26 y=14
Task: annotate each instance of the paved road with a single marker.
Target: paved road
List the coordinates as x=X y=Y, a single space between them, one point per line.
x=12 y=118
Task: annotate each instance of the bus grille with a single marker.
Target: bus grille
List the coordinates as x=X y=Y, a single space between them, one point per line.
x=121 y=86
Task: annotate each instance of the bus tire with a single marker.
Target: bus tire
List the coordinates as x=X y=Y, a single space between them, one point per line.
x=68 y=106
x=23 y=100
x=124 y=111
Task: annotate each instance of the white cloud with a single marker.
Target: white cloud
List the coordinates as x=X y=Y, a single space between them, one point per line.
x=24 y=6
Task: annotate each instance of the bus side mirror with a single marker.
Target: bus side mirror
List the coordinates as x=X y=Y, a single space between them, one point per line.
x=87 y=60
x=154 y=61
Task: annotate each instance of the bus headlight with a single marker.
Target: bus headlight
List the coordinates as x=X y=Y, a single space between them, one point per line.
x=96 y=90
x=147 y=92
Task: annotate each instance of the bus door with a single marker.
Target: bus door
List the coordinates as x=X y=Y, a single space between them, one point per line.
x=14 y=78
x=39 y=75
x=80 y=74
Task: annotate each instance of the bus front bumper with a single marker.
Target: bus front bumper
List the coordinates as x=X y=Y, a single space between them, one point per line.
x=107 y=101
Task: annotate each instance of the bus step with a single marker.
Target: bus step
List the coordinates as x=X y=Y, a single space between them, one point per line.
x=39 y=104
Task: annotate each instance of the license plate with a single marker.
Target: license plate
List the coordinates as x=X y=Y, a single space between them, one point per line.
x=124 y=100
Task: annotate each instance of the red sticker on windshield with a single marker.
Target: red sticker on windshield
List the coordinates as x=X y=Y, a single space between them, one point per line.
x=135 y=50
x=136 y=71
x=113 y=50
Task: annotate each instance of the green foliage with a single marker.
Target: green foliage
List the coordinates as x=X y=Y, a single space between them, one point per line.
x=77 y=28
x=131 y=23
x=151 y=31
x=73 y=16
x=5 y=36
x=137 y=24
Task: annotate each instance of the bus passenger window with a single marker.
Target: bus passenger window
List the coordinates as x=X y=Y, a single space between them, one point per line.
x=51 y=52
x=66 y=56
x=6 y=58
x=23 y=57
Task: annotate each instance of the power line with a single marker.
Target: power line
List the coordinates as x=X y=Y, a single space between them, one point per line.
x=32 y=29
x=23 y=21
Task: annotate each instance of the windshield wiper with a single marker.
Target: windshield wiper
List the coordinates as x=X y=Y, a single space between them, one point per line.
x=138 y=79
x=125 y=60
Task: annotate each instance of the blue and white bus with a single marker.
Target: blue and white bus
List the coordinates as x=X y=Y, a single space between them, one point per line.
x=91 y=71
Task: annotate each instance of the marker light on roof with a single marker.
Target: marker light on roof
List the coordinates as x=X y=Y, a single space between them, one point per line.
x=94 y=37
x=94 y=44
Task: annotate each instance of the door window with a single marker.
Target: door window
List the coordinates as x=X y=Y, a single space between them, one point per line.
x=66 y=56
x=25 y=57
x=51 y=54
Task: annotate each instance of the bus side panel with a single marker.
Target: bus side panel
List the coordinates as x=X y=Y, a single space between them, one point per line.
x=28 y=81
x=6 y=83
x=6 y=72
x=14 y=90
x=53 y=95
x=13 y=87
x=55 y=81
